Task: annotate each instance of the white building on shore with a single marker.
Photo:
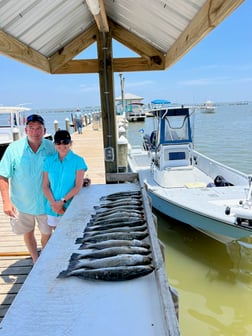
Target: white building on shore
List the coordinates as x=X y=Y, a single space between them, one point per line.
x=126 y=102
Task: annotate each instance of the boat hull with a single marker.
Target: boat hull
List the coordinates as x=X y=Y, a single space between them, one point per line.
x=135 y=117
x=200 y=207
x=216 y=228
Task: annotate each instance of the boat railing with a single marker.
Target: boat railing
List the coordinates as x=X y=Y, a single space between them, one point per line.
x=214 y=168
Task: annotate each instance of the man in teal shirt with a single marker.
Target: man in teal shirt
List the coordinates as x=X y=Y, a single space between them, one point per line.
x=21 y=183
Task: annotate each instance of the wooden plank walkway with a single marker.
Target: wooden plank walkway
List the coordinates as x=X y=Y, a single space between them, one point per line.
x=15 y=263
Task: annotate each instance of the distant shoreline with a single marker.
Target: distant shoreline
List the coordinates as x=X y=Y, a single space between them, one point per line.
x=92 y=109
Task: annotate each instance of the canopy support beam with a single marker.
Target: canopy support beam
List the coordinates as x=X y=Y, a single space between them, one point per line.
x=105 y=59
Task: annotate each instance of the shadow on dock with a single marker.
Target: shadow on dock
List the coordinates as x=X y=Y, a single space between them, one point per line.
x=13 y=274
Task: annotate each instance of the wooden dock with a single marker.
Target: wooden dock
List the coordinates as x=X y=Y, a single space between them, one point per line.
x=15 y=263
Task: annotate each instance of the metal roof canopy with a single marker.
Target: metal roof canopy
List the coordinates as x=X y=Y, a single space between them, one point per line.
x=48 y=35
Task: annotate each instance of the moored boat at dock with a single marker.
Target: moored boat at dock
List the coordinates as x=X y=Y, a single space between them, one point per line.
x=188 y=186
x=135 y=112
x=12 y=124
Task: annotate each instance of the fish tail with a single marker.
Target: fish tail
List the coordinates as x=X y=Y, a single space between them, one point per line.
x=73 y=264
x=82 y=246
x=74 y=256
x=63 y=274
x=91 y=222
x=79 y=240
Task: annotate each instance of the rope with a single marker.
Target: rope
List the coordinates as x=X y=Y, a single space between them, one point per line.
x=14 y=254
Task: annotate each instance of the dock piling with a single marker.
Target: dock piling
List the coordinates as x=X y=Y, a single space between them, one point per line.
x=15 y=134
x=56 y=125
x=67 y=123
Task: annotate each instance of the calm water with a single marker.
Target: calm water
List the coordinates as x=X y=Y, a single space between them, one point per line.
x=214 y=281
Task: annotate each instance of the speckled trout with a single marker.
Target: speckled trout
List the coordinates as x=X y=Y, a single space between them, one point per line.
x=109 y=252
x=113 y=235
x=114 y=242
x=118 y=260
x=119 y=273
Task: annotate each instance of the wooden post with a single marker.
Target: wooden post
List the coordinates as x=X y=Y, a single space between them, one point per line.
x=105 y=59
x=122 y=131
x=95 y=122
x=56 y=125
x=122 y=155
x=86 y=120
x=15 y=134
x=67 y=122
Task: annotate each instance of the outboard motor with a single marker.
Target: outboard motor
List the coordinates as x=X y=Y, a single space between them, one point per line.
x=153 y=139
x=146 y=142
x=220 y=181
x=149 y=142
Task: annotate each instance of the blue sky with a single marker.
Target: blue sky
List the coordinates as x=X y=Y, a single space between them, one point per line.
x=219 y=68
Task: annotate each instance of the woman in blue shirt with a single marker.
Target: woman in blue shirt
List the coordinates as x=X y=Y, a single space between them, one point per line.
x=63 y=176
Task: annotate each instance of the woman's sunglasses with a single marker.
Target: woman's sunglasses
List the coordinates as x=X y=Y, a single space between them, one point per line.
x=63 y=142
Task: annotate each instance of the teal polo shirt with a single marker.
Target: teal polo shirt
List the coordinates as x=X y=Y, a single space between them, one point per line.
x=24 y=170
x=61 y=175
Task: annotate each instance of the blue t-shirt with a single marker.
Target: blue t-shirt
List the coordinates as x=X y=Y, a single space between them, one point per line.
x=61 y=175
x=24 y=170
x=78 y=115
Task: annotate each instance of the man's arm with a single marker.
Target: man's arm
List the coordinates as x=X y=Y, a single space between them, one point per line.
x=8 y=207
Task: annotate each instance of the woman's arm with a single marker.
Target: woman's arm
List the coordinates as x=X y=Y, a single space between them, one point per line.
x=57 y=206
x=46 y=188
x=78 y=185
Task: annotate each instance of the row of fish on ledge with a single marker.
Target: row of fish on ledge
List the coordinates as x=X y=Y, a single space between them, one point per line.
x=114 y=246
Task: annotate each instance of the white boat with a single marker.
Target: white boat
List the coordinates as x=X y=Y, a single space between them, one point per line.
x=188 y=186
x=135 y=112
x=208 y=107
x=12 y=124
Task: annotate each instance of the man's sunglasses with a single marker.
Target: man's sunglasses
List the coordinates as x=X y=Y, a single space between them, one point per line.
x=63 y=142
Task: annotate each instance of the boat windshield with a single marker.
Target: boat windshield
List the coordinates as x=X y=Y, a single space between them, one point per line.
x=176 y=129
